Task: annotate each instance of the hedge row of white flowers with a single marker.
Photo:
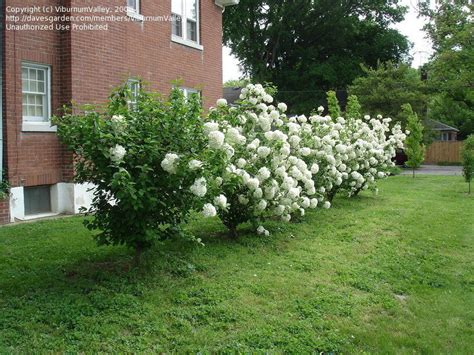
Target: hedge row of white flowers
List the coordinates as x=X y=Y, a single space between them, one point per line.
x=270 y=165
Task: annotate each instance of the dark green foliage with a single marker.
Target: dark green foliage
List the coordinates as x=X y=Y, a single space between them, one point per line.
x=451 y=70
x=414 y=147
x=307 y=47
x=385 y=89
x=467 y=156
x=136 y=202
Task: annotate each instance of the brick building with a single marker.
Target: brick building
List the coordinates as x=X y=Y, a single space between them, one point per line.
x=81 y=59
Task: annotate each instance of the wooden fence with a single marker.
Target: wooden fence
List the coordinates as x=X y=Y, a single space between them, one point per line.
x=445 y=151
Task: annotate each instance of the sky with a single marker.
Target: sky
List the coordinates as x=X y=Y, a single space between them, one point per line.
x=410 y=27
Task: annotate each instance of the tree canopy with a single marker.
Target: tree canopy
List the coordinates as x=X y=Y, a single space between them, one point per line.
x=451 y=69
x=307 y=47
x=383 y=90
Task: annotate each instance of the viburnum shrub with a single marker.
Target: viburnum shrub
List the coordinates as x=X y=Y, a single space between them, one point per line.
x=351 y=154
x=263 y=174
x=146 y=162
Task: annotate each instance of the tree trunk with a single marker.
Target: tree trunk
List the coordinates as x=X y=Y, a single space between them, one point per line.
x=330 y=196
x=233 y=232
x=413 y=173
x=469 y=186
x=138 y=254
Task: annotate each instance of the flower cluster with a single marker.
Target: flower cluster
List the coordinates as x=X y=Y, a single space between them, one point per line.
x=271 y=165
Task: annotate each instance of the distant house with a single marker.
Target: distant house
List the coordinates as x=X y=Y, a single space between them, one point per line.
x=443 y=132
x=232 y=94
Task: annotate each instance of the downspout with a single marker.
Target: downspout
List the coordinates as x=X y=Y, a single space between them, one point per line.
x=2 y=34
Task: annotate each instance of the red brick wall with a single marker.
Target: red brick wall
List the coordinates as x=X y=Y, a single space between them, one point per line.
x=86 y=65
x=31 y=158
x=4 y=211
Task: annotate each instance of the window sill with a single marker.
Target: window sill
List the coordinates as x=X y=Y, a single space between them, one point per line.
x=39 y=215
x=38 y=127
x=135 y=16
x=186 y=43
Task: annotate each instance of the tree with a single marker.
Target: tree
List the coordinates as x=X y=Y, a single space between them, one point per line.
x=384 y=89
x=353 y=108
x=333 y=104
x=308 y=47
x=414 y=147
x=451 y=69
x=467 y=155
x=239 y=83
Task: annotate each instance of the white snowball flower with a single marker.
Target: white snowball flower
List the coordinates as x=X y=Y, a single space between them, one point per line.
x=258 y=193
x=268 y=98
x=327 y=204
x=221 y=202
x=241 y=163
x=263 y=151
x=264 y=174
x=320 y=109
x=314 y=168
x=209 y=210
x=195 y=164
x=262 y=205
x=262 y=231
x=253 y=184
x=199 y=187
x=282 y=107
x=216 y=139
x=243 y=200
x=221 y=103
x=169 y=164
x=119 y=123
x=305 y=151
x=210 y=127
x=117 y=153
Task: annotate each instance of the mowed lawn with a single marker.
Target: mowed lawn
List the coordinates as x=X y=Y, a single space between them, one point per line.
x=381 y=274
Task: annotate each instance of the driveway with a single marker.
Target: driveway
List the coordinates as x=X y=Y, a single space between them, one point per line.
x=435 y=170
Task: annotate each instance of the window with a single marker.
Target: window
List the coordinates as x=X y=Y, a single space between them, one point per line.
x=188 y=92
x=133 y=6
x=36 y=93
x=37 y=200
x=185 y=25
x=445 y=136
x=133 y=10
x=134 y=86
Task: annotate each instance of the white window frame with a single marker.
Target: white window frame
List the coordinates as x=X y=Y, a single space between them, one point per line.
x=134 y=12
x=130 y=82
x=184 y=31
x=34 y=123
x=188 y=91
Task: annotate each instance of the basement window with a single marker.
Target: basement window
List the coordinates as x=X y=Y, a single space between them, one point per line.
x=37 y=200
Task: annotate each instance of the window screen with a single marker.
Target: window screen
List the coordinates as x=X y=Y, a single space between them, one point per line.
x=37 y=200
x=35 y=92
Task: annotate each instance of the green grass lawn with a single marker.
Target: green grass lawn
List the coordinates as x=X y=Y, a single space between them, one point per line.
x=387 y=273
